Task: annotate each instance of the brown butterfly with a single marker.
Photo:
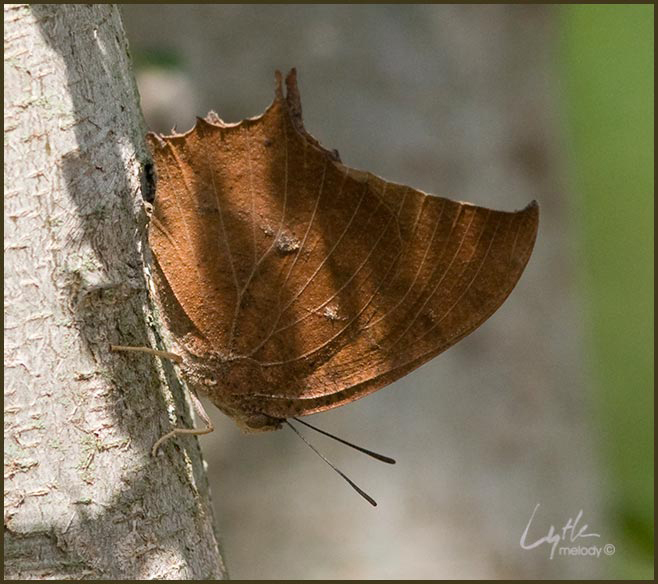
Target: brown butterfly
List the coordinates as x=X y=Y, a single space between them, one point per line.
x=293 y=284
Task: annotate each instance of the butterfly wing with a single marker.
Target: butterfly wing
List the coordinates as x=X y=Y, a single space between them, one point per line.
x=308 y=284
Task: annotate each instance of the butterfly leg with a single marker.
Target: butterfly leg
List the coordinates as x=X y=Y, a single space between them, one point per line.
x=198 y=406
x=199 y=409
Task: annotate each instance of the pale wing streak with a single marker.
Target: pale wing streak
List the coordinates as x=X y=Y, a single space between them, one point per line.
x=345 y=284
x=269 y=249
x=468 y=286
x=445 y=272
x=420 y=267
x=516 y=238
x=352 y=320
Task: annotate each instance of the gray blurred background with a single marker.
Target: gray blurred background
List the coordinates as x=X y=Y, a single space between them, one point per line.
x=454 y=100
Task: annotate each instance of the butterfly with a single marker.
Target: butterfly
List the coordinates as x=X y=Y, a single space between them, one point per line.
x=293 y=284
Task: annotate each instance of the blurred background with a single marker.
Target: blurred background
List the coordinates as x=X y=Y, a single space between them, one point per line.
x=550 y=402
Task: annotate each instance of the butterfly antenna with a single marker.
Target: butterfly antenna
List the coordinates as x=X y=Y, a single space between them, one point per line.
x=349 y=481
x=359 y=448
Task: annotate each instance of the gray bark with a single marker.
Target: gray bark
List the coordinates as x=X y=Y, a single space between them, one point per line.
x=83 y=496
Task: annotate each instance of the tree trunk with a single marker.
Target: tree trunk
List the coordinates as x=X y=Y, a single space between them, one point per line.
x=83 y=496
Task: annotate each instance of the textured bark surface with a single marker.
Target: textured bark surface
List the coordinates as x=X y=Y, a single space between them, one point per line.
x=83 y=498
x=460 y=101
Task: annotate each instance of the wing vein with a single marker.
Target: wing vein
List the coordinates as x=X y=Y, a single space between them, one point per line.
x=345 y=284
x=282 y=311
x=269 y=249
x=355 y=317
x=420 y=267
x=461 y=243
x=477 y=272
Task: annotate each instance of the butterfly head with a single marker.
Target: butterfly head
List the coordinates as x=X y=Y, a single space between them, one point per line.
x=257 y=422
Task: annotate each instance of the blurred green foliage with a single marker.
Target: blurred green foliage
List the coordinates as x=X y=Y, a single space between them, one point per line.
x=160 y=58
x=607 y=56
